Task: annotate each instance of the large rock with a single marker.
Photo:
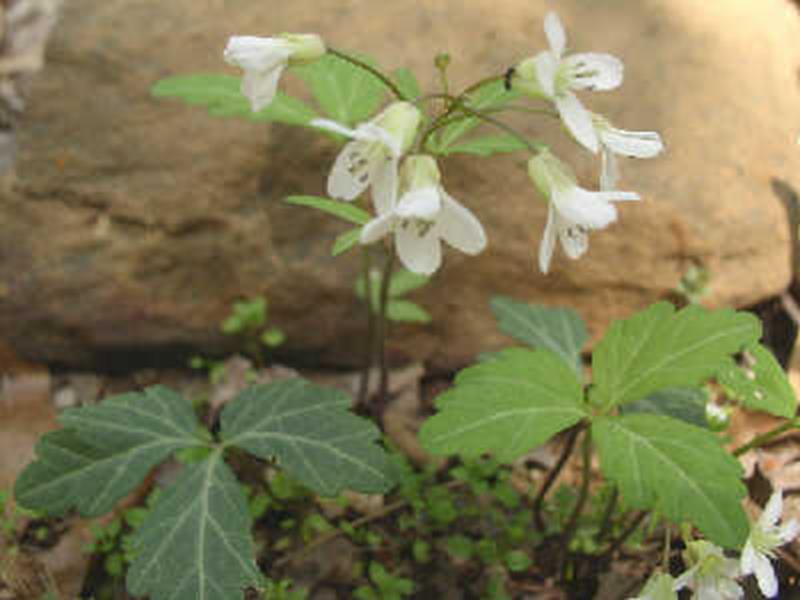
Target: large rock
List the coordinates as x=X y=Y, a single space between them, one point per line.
x=133 y=223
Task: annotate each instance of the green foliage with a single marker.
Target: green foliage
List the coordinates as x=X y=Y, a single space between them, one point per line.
x=311 y=433
x=487 y=145
x=678 y=470
x=104 y=451
x=659 y=348
x=221 y=95
x=759 y=383
x=342 y=210
x=684 y=404
x=282 y=590
x=386 y=585
x=246 y=316
x=397 y=308
x=345 y=241
x=407 y=82
x=559 y=330
x=506 y=406
x=345 y=93
x=693 y=286
x=196 y=543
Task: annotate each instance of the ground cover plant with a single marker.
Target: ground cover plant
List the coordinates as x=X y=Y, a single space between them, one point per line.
x=640 y=414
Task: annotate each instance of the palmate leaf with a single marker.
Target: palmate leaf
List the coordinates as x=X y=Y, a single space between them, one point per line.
x=312 y=435
x=505 y=406
x=196 y=542
x=759 y=384
x=488 y=145
x=559 y=330
x=221 y=95
x=345 y=92
x=684 y=404
x=105 y=450
x=659 y=348
x=679 y=470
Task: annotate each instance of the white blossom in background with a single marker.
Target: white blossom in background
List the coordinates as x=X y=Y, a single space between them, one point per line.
x=618 y=142
x=573 y=211
x=765 y=536
x=711 y=575
x=718 y=417
x=660 y=586
x=373 y=155
x=264 y=59
x=556 y=77
x=422 y=217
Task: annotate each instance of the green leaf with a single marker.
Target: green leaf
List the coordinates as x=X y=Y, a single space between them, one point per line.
x=407 y=82
x=196 y=542
x=406 y=311
x=346 y=93
x=273 y=337
x=684 y=404
x=345 y=241
x=506 y=406
x=404 y=281
x=106 y=450
x=346 y=212
x=760 y=384
x=677 y=469
x=311 y=433
x=221 y=95
x=560 y=330
x=659 y=348
x=490 y=144
x=493 y=95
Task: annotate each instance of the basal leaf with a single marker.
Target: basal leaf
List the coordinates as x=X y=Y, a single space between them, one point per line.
x=221 y=95
x=106 y=450
x=760 y=383
x=346 y=93
x=311 y=433
x=679 y=470
x=407 y=82
x=407 y=312
x=560 y=330
x=488 y=145
x=659 y=348
x=345 y=241
x=346 y=212
x=684 y=404
x=196 y=542
x=505 y=406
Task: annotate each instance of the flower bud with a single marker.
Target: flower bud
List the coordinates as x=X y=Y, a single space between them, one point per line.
x=304 y=47
x=400 y=120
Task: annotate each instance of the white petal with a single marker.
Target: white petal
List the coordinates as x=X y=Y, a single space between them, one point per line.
x=384 y=185
x=334 y=127
x=253 y=53
x=421 y=255
x=772 y=511
x=260 y=87
x=581 y=207
x=729 y=590
x=789 y=531
x=421 y=203
x=573 y=238
x=546 y=65
x=685 y=579
x=376 y=229
x=350 y=174
x=548 y=243
x=593 y=71
x=765 y=574
x=578 y=120
x=459 y=227
x=554 y=31
x=609 y=170
x=637 y=144
x=370 y=131
x=747 y=561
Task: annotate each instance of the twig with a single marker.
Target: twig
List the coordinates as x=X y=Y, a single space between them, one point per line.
x=633 y=526
x=552 y=476
x=605 y=526
x=583 y=495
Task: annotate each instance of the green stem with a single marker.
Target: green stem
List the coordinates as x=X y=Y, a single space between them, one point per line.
x=369 y=346
x=371 y=70
x=605 y=526
x=583 y=495
x=552 y=476
x=617 y=543
x=765 y=438
x=383 y=327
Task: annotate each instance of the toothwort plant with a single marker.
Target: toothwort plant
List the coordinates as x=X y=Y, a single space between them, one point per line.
x=642 y=412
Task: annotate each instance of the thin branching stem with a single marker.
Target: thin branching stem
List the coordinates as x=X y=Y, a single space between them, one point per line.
x=617 y=543
x=369 y=345
x=605 y=524
x=383 y=328
x=371 y=70
x=566 y=452
x=583 y=495
x=765 y=438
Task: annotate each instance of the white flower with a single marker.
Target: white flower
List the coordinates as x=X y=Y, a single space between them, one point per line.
x=373 y=154
x=553 y=76
x=264 y=59
x=613 y=142
x=572 y=211
x=711 y=576
x=423 y=216
x=660 y=586
x=765 y=536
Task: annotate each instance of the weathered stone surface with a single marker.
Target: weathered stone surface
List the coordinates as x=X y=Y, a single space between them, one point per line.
x=133 y=223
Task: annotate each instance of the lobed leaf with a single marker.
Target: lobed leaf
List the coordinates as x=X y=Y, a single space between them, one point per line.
x=759 y=384
x=505 y=406
x=488 y=145
x=222 y=96
x=106 y=450
x=407 y=82
x=659 y=348
x=346 y=212
x=684 y=404
x=677 y=469
x=560 y=330
x=196 y=542
x=312 y=435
